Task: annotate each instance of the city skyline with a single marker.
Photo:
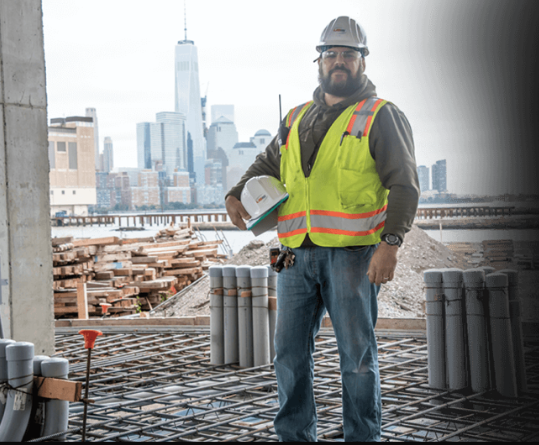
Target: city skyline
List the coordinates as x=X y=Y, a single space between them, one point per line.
x=248 y=63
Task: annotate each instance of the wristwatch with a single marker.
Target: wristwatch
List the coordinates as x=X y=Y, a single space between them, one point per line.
x=392 y=240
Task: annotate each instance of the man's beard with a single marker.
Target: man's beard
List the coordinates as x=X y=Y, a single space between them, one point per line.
x=344 y=89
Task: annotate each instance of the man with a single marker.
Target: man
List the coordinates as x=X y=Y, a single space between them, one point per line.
x=347 y=160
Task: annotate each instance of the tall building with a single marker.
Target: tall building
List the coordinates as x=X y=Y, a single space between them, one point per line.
x=188 y=102
x=423 y=175
x=90 y=112
x=161 y=144
x=108 y=155
x=218 y=111
x=72 y=165
x=222 y=134
x=173 y=137
x=439 y=176
x=149 y=145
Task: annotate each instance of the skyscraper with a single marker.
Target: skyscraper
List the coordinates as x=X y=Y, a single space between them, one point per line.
x=439 y=176
x=423 y=175
x=149 y=145
x=173 y=137
x=188 y=102
x=108 y=155
x=90 y=112
x=161 y=144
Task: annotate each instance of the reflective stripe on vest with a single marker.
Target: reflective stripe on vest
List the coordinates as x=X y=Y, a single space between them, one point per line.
x=293 y=115
x=360 y=123
x=350 y=224
x=290 y=225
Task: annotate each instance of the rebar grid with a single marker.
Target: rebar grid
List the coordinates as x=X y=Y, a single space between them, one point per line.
x=156 y=384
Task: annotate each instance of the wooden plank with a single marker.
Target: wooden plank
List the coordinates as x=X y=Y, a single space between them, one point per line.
x=165 y=244
x=184 y=262
x=99 y=267
x=169 y=321
x=174 y=272
x=147 y=239
x=82 y=301
x=200 y=253
x=112 y=257
x=124 y=272
x=106 y=275
x=144 y=259
x=58 y=389
x=164 y=250
x=64 y=240
x=97 y=241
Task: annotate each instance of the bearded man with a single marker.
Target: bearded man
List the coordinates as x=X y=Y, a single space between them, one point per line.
x=347 y=161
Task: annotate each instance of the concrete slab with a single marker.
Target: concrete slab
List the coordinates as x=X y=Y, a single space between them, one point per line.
x=23 y=65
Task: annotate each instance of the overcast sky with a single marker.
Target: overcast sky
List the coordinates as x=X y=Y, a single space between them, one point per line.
x=118 y=56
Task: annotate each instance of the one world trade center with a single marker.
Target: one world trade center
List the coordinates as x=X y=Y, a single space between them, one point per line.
x=188 y=102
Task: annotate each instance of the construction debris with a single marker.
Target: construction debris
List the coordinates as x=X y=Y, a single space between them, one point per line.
x=133 y=275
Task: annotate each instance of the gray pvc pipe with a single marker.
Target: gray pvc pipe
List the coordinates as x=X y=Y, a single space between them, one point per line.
x=230 y=310
x=272 y=308
x=56 y=411
x=272 y=318
x=516 y=329
x=20 y=371
x=487 y=269
x=3 y=374
x=272 y=282
x=476 y=323
x=245 y=316
x=435 y=329
x=454 y=329
x=217 y=330
x=36 y=422
x=500 y=332
x=259 y=282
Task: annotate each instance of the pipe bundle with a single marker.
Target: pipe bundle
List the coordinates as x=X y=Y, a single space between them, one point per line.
x=474 y=333
x=24 y=415
x=242 y=315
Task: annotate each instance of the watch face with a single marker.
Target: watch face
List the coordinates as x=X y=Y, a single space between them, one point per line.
x=392 y=240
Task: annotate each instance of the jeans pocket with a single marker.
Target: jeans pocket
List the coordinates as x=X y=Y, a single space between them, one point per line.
x=355 y=248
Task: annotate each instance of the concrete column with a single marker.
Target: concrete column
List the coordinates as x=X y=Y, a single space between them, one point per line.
x=25 y=246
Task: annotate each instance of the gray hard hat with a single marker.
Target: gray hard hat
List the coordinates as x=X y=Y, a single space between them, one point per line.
x=344 y=31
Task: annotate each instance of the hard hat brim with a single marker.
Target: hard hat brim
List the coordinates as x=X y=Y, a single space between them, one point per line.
x=254 y=222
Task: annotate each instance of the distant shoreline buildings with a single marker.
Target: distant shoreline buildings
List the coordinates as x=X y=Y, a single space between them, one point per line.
x=180 y=161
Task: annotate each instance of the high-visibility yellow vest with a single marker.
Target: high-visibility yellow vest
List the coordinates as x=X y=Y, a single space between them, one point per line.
x=343 y=202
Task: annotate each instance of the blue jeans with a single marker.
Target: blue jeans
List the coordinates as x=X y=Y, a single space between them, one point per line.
x=334 y=279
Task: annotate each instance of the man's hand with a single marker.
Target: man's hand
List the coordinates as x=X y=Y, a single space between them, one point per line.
x=383 y=264
x=237 y=212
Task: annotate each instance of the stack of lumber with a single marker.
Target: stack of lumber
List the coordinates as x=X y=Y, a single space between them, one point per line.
x=131 y=275
x=498 y=253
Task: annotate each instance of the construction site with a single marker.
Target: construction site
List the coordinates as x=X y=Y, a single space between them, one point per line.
x=170 y=337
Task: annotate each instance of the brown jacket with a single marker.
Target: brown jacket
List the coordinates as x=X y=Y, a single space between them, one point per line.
x=390 y=142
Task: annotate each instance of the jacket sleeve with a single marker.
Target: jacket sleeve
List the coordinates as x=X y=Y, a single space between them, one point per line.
x=392 y=147
x=266 y=163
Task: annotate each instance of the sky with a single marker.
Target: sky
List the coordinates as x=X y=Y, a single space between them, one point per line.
x=435 y=59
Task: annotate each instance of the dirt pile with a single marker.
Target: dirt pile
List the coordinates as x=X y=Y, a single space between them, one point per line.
x=401 y=297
